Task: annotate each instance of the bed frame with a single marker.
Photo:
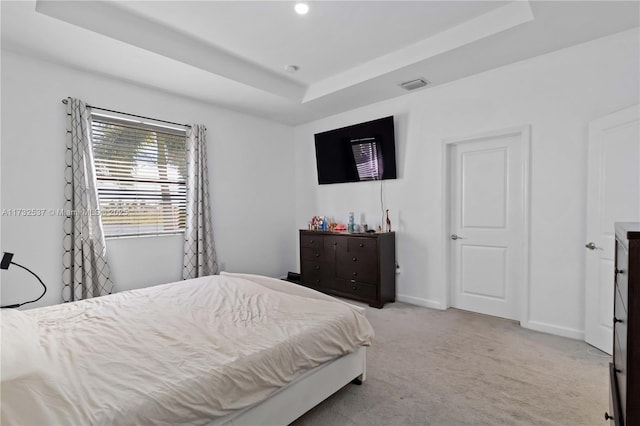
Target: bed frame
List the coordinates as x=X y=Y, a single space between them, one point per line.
x=301 y=395
x=304 y=393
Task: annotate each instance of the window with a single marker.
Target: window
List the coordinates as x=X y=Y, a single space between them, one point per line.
x=141 y=174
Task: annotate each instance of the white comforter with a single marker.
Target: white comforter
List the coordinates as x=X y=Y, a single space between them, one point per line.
x=180 y=353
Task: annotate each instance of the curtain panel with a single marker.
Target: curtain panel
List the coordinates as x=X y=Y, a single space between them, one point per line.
x=199 y=252
x=86 y=271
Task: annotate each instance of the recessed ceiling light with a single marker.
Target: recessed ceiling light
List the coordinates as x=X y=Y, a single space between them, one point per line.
x=301 y=8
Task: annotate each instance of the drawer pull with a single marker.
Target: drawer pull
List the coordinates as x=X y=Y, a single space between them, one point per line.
x=335 y=243
x=355 y=274
x=317 y=281
x=616 y=320
x=607 y=417
x=361 y=245
x=354 y=288
x=317 y=254
x=619 y=271
x=354 y=259
x=310 y=241
x=353 y=281
x=317 y=268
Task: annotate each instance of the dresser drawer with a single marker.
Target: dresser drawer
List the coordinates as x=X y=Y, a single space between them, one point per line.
x=317 y=282
x=620 y=370
x=333 y=242
x=353 y=266
x=622 y=278
x=317 y=269
x=312 y=241
x=317 y=274
x=309 y=253
x=620 y=317
x=620 y=361
x=614 y=412
x=358 y=290
x=361 y=245
x=620 y=348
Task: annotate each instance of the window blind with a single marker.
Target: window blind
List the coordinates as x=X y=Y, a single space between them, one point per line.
x=141 y=177
x=365 y=155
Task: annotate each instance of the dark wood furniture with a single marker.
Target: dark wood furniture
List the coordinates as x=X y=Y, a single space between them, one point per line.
x=624 y=375
x=360 y=266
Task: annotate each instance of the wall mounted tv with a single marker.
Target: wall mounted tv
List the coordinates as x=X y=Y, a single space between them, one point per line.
x=361 y=152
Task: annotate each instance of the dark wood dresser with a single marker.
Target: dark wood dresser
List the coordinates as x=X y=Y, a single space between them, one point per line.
x=357 y=266
x=624 y=376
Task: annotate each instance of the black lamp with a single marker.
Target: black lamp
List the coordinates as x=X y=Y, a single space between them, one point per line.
x=4 y=264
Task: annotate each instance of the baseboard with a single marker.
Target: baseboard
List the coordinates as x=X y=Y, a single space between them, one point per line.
x=544 y=327
x=418 y=301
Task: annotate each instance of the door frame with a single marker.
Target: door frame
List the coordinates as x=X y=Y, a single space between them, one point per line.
x=524 y=132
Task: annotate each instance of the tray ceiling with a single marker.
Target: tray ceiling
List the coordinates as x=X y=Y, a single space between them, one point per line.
x=349 y=54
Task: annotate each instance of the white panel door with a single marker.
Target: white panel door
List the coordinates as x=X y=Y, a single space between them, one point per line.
x=486 y=188
x=613 y=195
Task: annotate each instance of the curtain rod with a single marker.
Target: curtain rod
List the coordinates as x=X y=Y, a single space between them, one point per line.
x=66 y=101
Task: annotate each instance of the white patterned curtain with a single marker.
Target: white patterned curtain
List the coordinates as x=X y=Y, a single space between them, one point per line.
x=199 y=253
x=86 y=272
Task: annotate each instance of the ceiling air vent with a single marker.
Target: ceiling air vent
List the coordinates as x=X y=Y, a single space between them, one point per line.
x=414 y=84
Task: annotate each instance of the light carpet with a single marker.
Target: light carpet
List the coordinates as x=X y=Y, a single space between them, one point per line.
x=430 y=367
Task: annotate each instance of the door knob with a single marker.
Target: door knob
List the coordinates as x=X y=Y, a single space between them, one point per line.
x=456 y=237
x=592 y=246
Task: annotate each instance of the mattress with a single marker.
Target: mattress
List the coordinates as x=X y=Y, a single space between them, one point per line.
x=180 y=353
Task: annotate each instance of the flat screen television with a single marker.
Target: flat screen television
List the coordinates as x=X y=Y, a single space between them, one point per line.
x=362 y=152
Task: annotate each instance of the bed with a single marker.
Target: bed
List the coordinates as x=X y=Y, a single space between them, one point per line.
x=222 y=350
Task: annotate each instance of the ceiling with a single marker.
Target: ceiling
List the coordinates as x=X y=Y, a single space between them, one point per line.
x=234 y=53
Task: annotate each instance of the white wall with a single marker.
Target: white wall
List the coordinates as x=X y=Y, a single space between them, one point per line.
x=250 y=174
x=262 y=192
x=557 y=94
